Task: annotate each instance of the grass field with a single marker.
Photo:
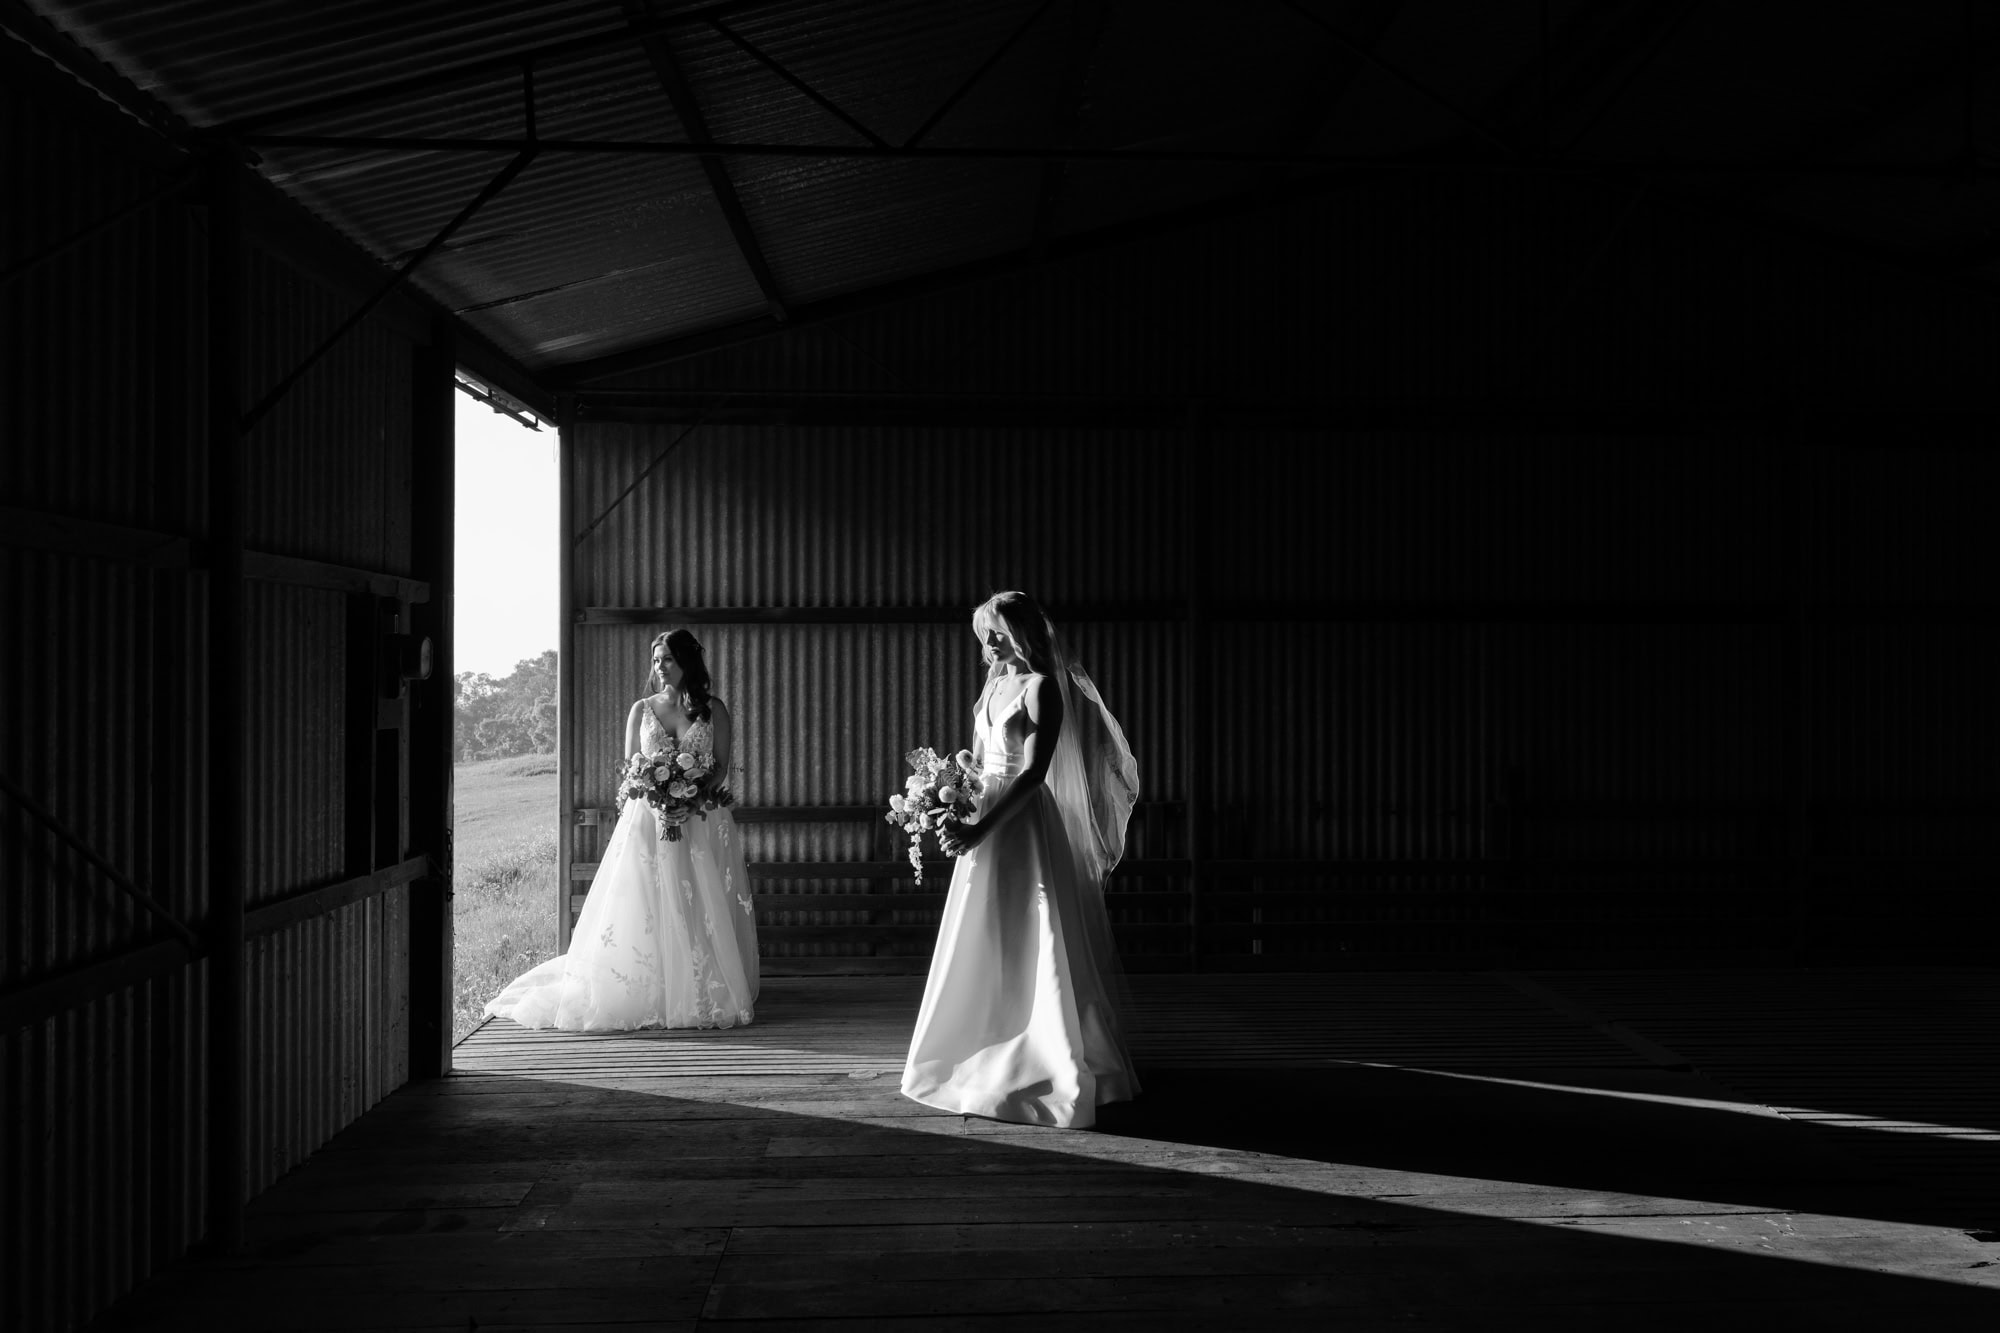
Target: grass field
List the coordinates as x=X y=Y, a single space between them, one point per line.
x=503 y=877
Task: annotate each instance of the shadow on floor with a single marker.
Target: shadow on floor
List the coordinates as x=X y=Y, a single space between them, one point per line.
x=1218 y=1201
x=1572 y=1132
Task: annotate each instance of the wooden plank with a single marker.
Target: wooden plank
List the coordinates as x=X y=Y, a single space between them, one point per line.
x=269 y=567
x=44 y=997
x=600 y=1163
x=59 y=533
x=277 y=915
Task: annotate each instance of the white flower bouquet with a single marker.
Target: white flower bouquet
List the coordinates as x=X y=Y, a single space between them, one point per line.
x=938 y=785
x=670 y=782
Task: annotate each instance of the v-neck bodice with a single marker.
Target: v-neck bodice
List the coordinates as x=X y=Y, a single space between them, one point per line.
x=655 y=738
x=1003 y=739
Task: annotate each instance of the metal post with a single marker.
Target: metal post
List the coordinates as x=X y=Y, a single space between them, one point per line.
x=566 y=663
x=433 y=704
x=1194 y=657
x=227 y=1050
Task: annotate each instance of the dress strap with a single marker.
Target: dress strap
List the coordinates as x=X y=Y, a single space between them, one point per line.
x=658 y=721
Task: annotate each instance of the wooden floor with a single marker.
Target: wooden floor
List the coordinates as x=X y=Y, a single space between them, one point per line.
x=1800 y=1150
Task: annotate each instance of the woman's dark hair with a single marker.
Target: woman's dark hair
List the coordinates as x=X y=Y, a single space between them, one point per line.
x=686 y=651
x=1023 y=620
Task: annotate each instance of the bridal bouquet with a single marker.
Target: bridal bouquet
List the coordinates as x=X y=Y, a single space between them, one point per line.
x=670 y=782
x=938 y=785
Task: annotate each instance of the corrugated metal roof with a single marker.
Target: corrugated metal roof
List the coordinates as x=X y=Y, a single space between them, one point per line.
x=589 y=253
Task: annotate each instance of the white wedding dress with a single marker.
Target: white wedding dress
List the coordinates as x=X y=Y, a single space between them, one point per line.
x=1017 y=1020
x=668 y=933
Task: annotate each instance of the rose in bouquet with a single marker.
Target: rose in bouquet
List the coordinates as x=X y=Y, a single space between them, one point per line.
x=671 y=782
x=938 y=785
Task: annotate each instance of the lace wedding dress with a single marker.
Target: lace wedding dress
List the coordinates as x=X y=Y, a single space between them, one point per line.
x=1017 y=1020
x=668 y=933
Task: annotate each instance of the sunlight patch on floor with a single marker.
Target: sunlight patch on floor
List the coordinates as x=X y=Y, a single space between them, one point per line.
x=1839 y=1119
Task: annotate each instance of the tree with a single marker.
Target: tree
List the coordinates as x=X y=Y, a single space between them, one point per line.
x=515 y=714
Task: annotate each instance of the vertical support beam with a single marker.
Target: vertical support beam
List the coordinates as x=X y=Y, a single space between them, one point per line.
x=174 y=738
x=363 y=717
x=1196 y=752
x=566 y=663
x=433 y=704
x=224 y=805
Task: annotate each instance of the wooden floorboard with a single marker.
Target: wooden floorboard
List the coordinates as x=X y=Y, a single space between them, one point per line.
x=1556 y=1151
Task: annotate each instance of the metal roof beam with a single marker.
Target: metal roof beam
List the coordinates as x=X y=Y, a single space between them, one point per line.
x=1649 y=55
x=1563 y=87
x=1422 y=89
x=471 y=71
x=577 y=376
x=83 y=65
x=1310 y=104
x=972 y=80
x=674 y=80
x=1945 y=167
x=826 y=104
x=465 y=215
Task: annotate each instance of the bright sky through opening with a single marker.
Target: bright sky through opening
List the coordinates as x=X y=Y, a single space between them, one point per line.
x=506 y=603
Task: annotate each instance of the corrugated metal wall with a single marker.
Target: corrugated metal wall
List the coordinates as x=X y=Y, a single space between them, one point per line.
x=103 y=1102
x=103 y=1149
x=1579 y=625
x=841 y=519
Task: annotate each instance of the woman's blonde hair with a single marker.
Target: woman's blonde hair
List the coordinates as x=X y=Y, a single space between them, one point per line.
x=1025 y=624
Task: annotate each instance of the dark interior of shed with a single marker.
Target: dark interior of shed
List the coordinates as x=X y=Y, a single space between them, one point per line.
x=1520 y=473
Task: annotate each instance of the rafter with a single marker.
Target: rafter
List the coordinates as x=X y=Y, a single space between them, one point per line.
x=660 y=52
x=579 y=376
x=812 y=94
x=471 y=71
x=1365 y=51
x=1587 y=65
x=1420 y=164
x=972 y=80
x=1313 y=100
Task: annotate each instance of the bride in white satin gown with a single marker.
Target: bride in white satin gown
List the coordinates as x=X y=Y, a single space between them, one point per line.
x=1018 y=1021
x=668 y=933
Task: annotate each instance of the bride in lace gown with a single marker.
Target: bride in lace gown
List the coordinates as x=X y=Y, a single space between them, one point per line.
x=1017 y=1020
x=668 y=933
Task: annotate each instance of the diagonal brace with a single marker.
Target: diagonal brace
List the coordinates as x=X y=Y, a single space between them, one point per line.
x=465 y=215
x=973 y=79
x=826 y=104
x=159 y=194
x=1423 y=90
x=681 y=94
x=131 y=890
